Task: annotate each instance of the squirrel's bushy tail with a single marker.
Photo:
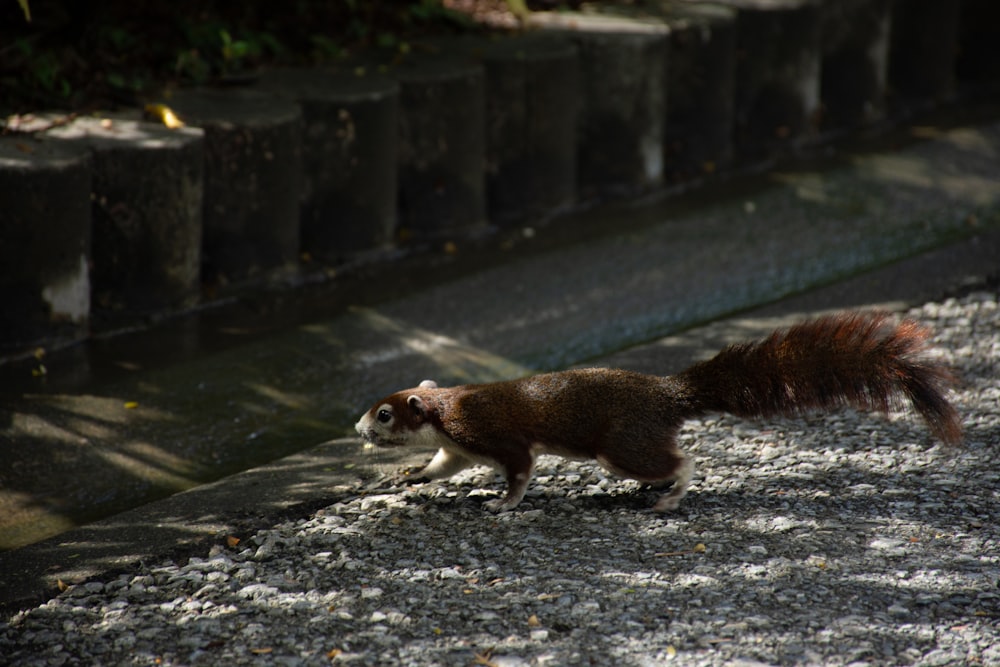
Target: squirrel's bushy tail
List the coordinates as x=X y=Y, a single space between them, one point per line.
x=864 y=360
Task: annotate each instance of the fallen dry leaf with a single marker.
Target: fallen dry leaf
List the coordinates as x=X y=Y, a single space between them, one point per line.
x=484 y=659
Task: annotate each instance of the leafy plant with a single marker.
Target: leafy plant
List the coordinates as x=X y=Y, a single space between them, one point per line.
x=43 y=71
x=214 y=51
x=68 y=53
x=325 y=48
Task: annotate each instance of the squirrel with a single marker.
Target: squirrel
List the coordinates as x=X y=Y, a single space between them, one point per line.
x=629 y=421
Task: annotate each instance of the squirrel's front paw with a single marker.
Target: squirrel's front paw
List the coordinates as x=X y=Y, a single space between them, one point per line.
x=411 y=475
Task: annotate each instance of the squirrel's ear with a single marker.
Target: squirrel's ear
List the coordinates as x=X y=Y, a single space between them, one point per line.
x=417 y=405
x=428 y=384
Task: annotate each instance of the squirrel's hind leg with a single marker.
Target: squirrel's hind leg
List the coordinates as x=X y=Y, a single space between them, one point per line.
x=670 y=500
x=517 y=467
x=652 y=461
x=653 y=465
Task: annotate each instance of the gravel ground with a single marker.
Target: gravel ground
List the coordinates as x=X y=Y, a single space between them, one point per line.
x=840 y=539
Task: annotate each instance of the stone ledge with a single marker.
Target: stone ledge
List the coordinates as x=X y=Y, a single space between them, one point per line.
x=513 y=133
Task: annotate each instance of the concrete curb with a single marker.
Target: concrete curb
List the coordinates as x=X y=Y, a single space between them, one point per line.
x=253 y=161
x=146 y=233
x=46 y=284
x=349 y=123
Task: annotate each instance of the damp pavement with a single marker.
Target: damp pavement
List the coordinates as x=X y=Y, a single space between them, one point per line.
x=892 y=228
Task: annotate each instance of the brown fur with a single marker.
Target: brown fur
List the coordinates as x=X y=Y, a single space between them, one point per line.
x=628 y=421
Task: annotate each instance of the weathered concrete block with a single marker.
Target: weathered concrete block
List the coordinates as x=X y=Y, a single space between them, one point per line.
x=777 y=73
x=700 y=88
x=147 y=210
x=978 y=44
x=623 y=73
x=349 y=131
x=924 y=49
x=253 y=164
x=44 y=243
x=442 y=146
x=855 y=66
x=532 y=90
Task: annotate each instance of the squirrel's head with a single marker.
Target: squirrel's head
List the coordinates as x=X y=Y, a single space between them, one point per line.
x=400 y=418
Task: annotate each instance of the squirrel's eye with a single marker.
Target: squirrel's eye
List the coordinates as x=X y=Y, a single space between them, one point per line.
x=384 y=416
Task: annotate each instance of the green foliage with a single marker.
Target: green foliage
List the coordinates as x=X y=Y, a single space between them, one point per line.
x=212 y=51
x=44 y=72
x=324 y=48
x=69 y=53
x=116 y=37
x=426 y=10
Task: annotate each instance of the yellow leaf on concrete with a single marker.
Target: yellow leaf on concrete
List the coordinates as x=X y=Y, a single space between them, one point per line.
x=164 y=114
